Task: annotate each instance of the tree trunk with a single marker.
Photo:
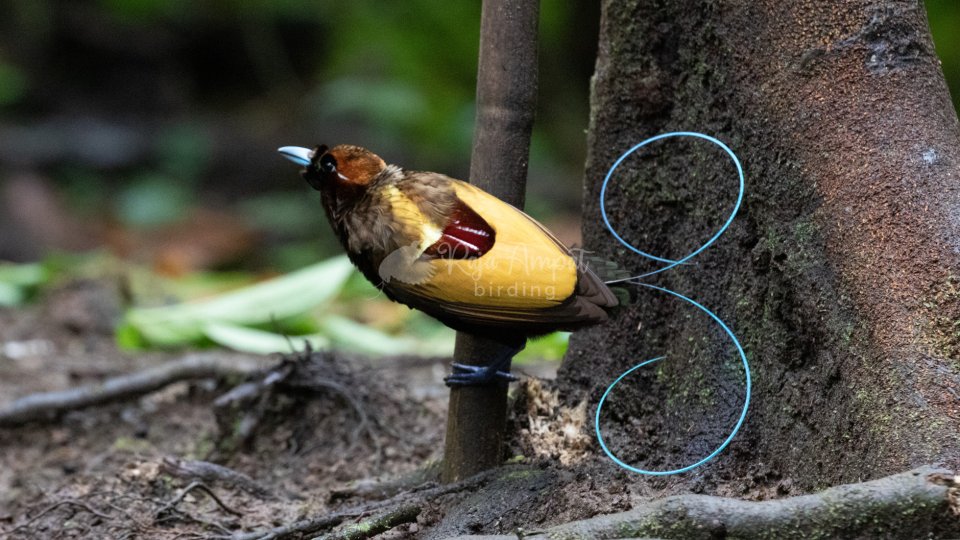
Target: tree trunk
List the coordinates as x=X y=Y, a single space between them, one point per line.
x=840 y=274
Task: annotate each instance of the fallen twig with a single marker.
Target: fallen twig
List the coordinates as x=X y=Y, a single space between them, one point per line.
x=372 y=527
x=202 y=487
x=913 y=504
x=378 y=490
x=212 y=472
x=316 y=384
x=298 y=528
x=194 y=366
x=359 y=531
x=250 y=400
x=54 y=506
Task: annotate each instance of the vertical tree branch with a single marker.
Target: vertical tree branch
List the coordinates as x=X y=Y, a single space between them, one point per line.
x=506 y=97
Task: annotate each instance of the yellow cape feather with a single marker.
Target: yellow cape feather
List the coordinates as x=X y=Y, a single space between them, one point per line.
x=527 y=269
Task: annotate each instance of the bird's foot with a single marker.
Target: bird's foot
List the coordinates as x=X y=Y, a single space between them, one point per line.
x=467 y=375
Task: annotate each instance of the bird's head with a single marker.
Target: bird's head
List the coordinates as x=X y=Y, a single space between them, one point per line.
x=341 y=168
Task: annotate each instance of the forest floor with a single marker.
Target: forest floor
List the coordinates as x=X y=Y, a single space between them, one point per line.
x=341 y=434
x=327 y=444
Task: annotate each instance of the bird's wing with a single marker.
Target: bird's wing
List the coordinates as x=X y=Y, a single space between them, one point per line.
x=525 y=277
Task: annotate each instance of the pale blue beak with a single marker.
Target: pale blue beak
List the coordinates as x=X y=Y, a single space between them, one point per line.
x=297 y=154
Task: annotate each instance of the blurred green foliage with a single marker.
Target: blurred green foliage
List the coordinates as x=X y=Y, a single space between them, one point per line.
x=152 y=199
x=13 y=83
x=944 y=16
x=408 y=68
x=19 y=281
x=402 y=73
x=205 y=91
x=397 y=77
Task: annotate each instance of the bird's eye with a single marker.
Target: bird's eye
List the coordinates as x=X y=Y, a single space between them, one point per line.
x=328 y=164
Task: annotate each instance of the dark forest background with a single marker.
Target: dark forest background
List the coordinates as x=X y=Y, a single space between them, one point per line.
x=142 y=125
x=147 y=129
x=122 y=118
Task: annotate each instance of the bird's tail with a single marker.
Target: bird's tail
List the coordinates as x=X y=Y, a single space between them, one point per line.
x=611 y=273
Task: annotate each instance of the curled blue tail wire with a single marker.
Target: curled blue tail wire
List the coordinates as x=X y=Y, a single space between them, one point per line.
x=736 y=428
x=670 y=264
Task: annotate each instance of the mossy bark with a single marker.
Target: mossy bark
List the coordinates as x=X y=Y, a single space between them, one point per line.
x=914 y=504
x=839 y=274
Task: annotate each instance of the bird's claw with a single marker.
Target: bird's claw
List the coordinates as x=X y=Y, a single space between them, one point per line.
x=467 y=375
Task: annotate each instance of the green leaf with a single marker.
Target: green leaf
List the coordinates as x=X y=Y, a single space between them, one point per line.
x=129 y=338
x=13 y=84
x=350 y=335
x=277 y=299
x=23 y=275
x=249 y=340
x=550 y=347
x=10 y=295
x=18 y=280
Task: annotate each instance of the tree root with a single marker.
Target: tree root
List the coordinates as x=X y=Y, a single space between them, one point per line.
x=372 y=527
x=54 y=506
x=297 y=529
x=211 y=472
x=48 y=405
x=913 y=504
x=373 y=490
x=170 y=506
x=399 y=505
x=359 y=531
